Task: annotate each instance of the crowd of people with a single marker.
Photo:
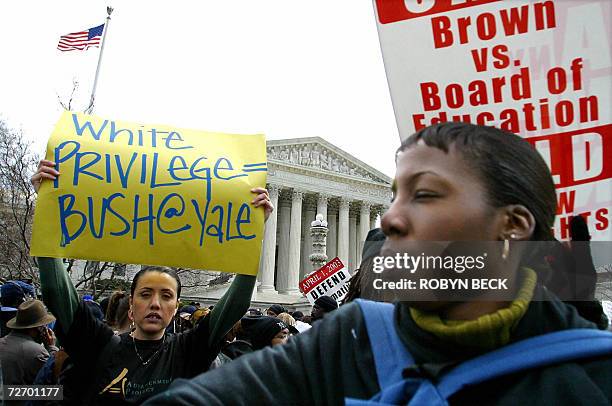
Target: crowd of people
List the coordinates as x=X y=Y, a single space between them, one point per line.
x=29 y=354
x=454 y=182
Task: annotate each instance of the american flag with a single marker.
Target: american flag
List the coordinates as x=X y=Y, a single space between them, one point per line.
x=81 y=40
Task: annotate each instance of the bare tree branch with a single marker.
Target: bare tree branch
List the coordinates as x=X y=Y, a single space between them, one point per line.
x=70 y=265
x=68 y=106
x=96 y=272
x=17 y=164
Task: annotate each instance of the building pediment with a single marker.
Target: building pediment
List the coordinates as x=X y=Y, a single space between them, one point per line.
x=314 y=153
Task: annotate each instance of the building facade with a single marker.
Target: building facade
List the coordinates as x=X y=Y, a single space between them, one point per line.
x=310 y=176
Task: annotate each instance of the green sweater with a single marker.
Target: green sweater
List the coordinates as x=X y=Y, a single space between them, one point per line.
x=60 y=296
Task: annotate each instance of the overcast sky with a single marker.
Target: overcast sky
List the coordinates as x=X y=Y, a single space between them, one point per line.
x=284 y=68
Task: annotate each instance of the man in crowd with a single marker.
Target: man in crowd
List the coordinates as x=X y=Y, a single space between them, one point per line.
x=12 y=294
x=322 y=306
x=265 y=331
x=94 y=307
x=275 y=310
x=254 y=312
x=22 y=352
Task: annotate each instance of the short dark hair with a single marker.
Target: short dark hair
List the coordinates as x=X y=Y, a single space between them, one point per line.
x=160 y=269
x=512 y=171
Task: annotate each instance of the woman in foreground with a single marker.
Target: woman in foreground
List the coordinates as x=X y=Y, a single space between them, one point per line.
x=454 y=182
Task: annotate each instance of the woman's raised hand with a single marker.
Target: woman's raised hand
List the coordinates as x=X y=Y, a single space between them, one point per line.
x=46 y=170
x=263 y=199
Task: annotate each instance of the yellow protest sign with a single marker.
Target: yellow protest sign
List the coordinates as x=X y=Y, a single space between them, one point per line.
x=154 y=195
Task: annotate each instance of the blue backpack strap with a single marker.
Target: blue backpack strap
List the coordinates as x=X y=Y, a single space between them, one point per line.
x=534 y=352
x=390 y=354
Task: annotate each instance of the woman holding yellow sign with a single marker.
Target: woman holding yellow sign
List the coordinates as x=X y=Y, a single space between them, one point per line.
x=134 y=366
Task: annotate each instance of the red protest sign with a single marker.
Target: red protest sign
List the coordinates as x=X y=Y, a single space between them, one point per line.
x=538 y=68
x=398 y=10
x=330 y=280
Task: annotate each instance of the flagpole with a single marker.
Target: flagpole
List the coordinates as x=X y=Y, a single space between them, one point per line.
x=89 y=109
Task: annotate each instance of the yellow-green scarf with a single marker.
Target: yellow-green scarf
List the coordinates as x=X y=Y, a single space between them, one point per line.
x=488 y=331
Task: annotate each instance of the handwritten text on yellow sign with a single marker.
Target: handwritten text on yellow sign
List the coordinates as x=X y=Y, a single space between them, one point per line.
x=158 y=195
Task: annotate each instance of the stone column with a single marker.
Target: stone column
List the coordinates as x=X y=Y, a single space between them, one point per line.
x=295 y=241
x=282 y=277
x=269 y=245
x=364 y=228
x=373 y=217
x=260 y=270
x=332 y=234
x=343 y=231
x=352 y=263
x=322 y=205
x=309 y=217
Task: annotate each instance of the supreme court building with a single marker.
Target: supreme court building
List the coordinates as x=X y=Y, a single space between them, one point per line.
x=309 y=176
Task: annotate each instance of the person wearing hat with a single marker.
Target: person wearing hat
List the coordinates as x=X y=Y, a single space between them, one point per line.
x=12 y=294
x=22 y=352
x=275 y=310
x=254 y=312
x=297 y=315
x=322 y=306
x=189 y=309
x=253 y=333
x=93 y=307
x=264 y=331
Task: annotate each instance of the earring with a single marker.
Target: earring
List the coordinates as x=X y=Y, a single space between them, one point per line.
x=506 y=250
x=131 y=316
